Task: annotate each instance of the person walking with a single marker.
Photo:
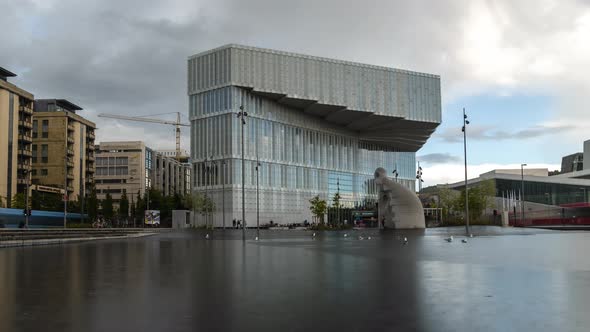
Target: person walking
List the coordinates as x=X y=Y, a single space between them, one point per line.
x=234 y=223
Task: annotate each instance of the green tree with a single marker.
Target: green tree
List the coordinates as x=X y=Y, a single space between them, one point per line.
x=318 y=208
x=336 y=206
x=124 y=206
x=139 y=210
x=92 y=205
x=133 y=211
x=18 y=201
x=187 y=202
x=481 y=197
x=107 y=207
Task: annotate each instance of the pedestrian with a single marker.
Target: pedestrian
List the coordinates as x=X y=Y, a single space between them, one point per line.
x=234 y=223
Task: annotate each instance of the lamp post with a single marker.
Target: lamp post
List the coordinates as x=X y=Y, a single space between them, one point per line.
x=223 y=192
x=242 y=115
x=522 y=192
x=65 y=198
x=464 y=129
x=27 y=174
x=419 y=177
x=257 y=201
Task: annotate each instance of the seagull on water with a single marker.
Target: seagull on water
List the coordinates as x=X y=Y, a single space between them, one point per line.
x=405 y=240
x=361 y=238
x=464 y=241
x=256 y=238
x=313 y=235
x=207 y=237
x=449 y=239
x=368 y=238
x=470 y=235
x=345 y=235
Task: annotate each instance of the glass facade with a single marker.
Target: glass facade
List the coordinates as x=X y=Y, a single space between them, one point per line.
x=300 y=154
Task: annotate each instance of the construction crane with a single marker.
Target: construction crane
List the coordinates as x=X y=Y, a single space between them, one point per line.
x=176 y=123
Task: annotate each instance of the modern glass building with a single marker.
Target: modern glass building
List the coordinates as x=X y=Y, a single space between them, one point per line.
x=315 y=126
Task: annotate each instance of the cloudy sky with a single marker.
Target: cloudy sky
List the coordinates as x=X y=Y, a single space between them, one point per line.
x=520 y=68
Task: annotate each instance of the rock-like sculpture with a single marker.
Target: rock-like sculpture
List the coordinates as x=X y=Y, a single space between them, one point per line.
x=399 y=207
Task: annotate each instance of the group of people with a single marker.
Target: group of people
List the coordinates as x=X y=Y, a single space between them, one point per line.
x=237 y=223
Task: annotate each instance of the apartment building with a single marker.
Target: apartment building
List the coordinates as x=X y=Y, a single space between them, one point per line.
x=63 y=147
x=16 y=111
x=131 y=167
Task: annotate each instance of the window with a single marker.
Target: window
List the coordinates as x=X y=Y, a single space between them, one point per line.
x=44 y=157
x=34 y=153
x=34 y=172
x=45 y=129
x=44 y=172
x=35 y=125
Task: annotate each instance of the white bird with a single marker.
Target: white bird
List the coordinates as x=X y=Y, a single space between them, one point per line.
x=345 y=235
x=207 y=237
x=464 y=241
x=313 y=234
x=470 y=235
x=405 y=240
x=256 y=238
x=368 y=238
x=449 y=239
x=361 y=238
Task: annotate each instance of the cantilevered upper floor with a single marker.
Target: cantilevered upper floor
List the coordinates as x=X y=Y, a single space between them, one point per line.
x=385 y=105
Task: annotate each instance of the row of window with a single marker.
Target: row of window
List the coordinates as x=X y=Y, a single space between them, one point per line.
x=119 y=170
x=43 y=172
x=111 y=161
x=44 y=128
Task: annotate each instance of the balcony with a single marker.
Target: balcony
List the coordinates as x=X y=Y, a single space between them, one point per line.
x=25 y=109
x=25 y=153
x=89 y=169
x=70 y=163
x=23 y=166
x=70 y=152
x=70 y=188
x=90 y=147
x=25 y=124
x=71 y=126
x=70 y=140
x=70 y=176
x=90 y=157
x=90 y=135
x=25 y=137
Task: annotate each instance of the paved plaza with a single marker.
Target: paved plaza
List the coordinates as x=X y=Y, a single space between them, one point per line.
x=500 y=280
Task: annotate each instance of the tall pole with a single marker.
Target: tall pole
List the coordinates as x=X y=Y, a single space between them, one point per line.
x=27 y=175
x=257 y=200
x=522 y=193
x=223 y=191
x=242 y=115
x=65 y=190
x=465 y=123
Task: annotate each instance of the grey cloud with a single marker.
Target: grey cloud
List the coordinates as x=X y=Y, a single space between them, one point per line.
x=438 y=158
x=483 y=133
x=129 y=57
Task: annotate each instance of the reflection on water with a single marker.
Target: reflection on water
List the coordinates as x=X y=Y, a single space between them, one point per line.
x=289 y=281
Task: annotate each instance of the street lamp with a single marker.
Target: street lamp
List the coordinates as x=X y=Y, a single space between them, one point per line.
x=257 y=202
x=242 y=115
x=223 y=191
x=419 y=177
x=27 y=174
x=464 y=129
x=522 y=192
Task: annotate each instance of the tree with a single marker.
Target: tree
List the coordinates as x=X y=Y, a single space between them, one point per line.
x=18 y=201
x=480 y=198
x=124 y=206
x=139 y=209
x=336 y=205
x=318 y=208
x=107 y=207
x=133 y=212
x=92 y=205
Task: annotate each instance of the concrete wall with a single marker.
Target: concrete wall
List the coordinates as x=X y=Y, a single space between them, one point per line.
x=587 y=154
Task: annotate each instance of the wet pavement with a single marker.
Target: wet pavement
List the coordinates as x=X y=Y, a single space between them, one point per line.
x=501 y=280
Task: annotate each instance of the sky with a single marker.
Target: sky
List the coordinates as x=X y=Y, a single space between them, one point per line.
x=520 y=68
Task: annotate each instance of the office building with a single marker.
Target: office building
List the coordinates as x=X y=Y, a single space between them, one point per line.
x=315 y=126
x=63 y=147
x=572 y=163
x=131 y=167
x=16 y=111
